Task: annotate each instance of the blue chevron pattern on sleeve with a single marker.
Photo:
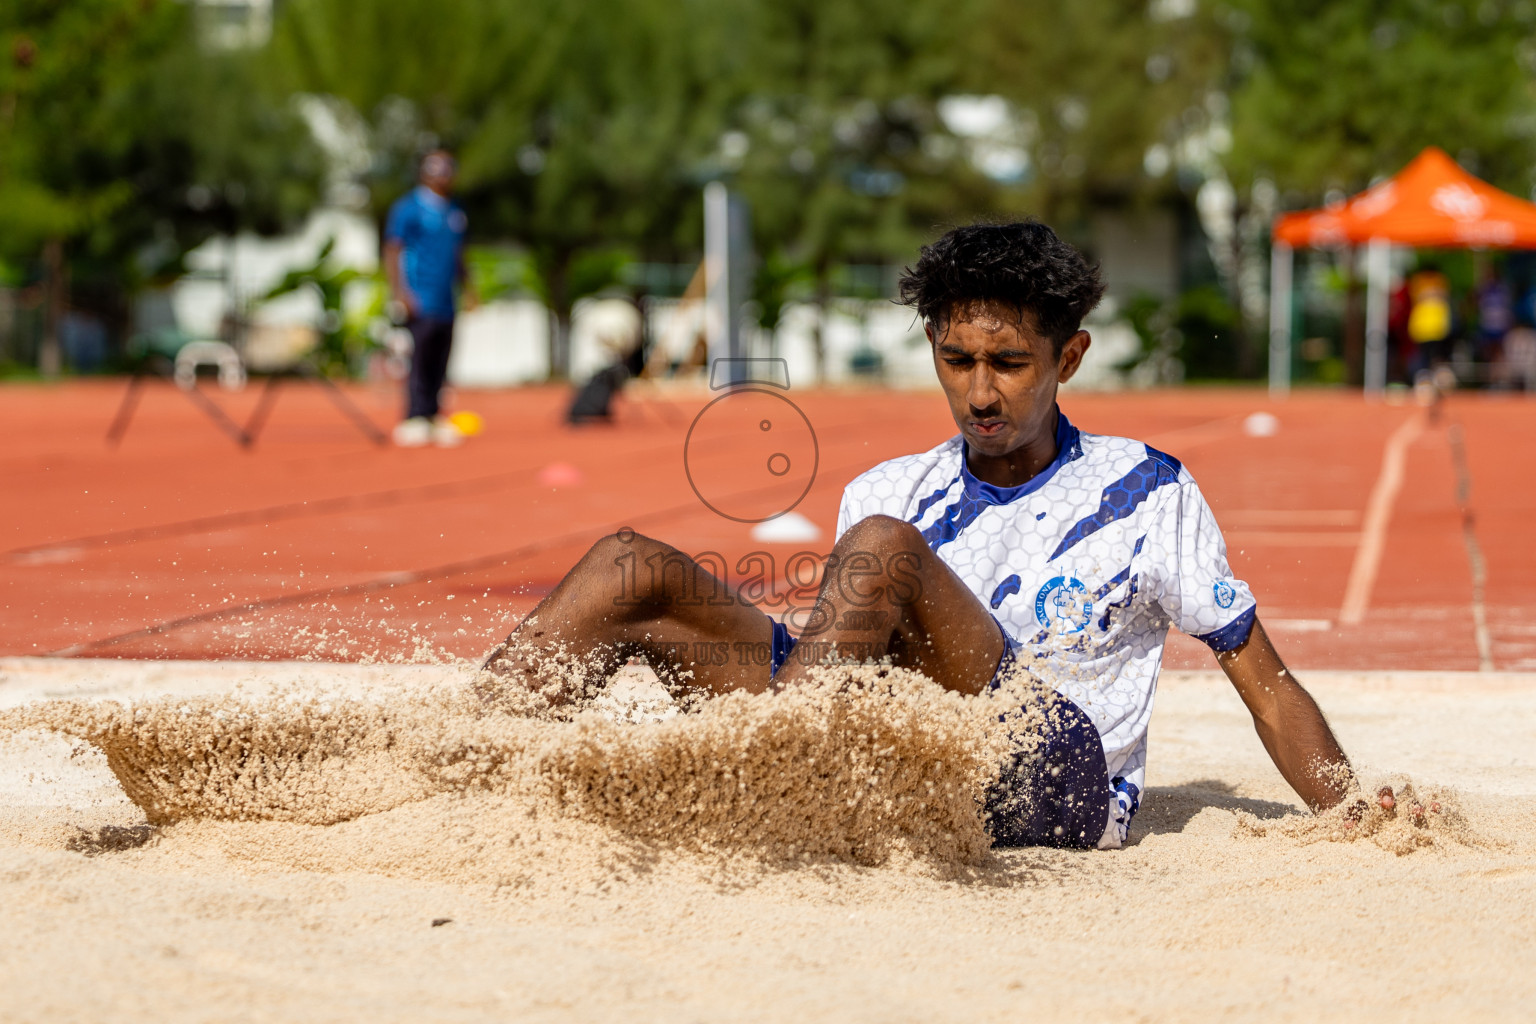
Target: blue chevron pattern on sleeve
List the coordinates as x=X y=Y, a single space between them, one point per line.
x=1166 y=459
x=1121 y=497
x=927 y=503
x=954 y=519
x=1005 y=590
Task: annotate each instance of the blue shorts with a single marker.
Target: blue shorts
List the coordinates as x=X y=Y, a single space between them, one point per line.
x=1059 y=793
x=1056 y=795
x=783 y=643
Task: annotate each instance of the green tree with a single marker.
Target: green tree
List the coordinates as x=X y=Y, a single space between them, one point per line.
x=579 y=126
x=1109 y=94
x=612 y=152
x=836 y=138
x=399 y=78
x=123 y=144
x=1329 y=94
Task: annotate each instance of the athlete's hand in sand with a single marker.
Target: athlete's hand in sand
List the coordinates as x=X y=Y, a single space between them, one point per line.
x=1290 y=723
x=1419 y=813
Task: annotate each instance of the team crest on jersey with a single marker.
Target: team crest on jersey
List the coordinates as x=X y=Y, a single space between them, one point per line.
x=1063 y=605
x=1225 y=594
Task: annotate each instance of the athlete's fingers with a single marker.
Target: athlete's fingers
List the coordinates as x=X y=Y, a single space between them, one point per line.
x=1386 y=798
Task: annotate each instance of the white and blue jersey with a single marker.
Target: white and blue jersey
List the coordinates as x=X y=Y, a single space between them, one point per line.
x=1085 y=565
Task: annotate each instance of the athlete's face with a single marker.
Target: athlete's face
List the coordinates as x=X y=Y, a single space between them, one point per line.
x=1000 y=375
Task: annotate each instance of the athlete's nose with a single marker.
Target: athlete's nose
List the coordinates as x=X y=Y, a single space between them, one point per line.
x=983 y=395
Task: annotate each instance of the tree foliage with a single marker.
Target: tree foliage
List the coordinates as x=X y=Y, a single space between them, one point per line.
x=120 y=136
x=837 y=141
x=1099 y=85
x=587 y=128
x=580 y=126
x=1329 y=95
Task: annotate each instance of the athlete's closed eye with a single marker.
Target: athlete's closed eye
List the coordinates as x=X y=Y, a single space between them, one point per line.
x=1010 y=359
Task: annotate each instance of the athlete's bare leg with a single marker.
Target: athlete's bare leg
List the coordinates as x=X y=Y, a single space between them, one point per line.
x=885 y=594
x=632 y=596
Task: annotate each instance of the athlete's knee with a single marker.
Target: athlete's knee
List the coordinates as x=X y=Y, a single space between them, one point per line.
x=879 y=558
x=616 y=548
x=644 y=573
x=616 y=563
x=880 y=535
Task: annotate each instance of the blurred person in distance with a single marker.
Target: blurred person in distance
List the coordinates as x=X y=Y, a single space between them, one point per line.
x=1430 y=320
x=424 y=265
x=1495 y=315
x=1402 y=348
x=1517 y=368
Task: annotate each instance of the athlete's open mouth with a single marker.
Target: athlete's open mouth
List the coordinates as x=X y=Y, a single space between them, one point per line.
x=988 y=428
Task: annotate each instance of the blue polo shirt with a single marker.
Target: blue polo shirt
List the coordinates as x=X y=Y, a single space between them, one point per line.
x=430 y=230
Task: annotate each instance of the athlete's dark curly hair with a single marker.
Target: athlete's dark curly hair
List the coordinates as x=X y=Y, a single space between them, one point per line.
x=1023 y=265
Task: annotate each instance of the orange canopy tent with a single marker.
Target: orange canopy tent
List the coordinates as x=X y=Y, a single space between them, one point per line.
x=1431 y=203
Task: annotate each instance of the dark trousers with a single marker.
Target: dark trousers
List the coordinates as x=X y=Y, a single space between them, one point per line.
x=433 y=338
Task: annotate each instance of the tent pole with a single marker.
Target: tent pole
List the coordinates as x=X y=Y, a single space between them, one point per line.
x=1378 y=269
x=1280 y=260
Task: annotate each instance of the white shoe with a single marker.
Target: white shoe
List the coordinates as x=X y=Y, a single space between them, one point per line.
x=446 y=435
x=414 y=432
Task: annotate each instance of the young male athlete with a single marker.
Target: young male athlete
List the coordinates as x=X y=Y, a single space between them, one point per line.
x=1022 y=535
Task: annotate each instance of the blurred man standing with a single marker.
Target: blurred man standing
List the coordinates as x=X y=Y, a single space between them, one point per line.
x=1495 y=316
x=424 y=263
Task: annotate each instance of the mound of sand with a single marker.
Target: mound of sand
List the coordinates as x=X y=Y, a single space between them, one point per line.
x=393 y=852
x=862 y=763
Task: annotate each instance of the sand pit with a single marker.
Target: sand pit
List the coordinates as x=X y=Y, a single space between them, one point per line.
x=412 y=861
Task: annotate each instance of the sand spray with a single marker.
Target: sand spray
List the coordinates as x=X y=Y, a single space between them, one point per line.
x=862 y=764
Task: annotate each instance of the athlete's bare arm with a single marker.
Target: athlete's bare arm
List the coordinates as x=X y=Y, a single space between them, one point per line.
x=1288 y=721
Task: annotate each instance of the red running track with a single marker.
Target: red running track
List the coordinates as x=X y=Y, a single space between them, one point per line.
x=316 y=543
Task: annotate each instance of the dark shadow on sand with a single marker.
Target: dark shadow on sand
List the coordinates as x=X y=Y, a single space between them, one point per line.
x=1166 y=809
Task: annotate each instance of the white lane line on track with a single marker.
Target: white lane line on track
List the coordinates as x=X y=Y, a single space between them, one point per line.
x=1378 y=513
x=1300 y=625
